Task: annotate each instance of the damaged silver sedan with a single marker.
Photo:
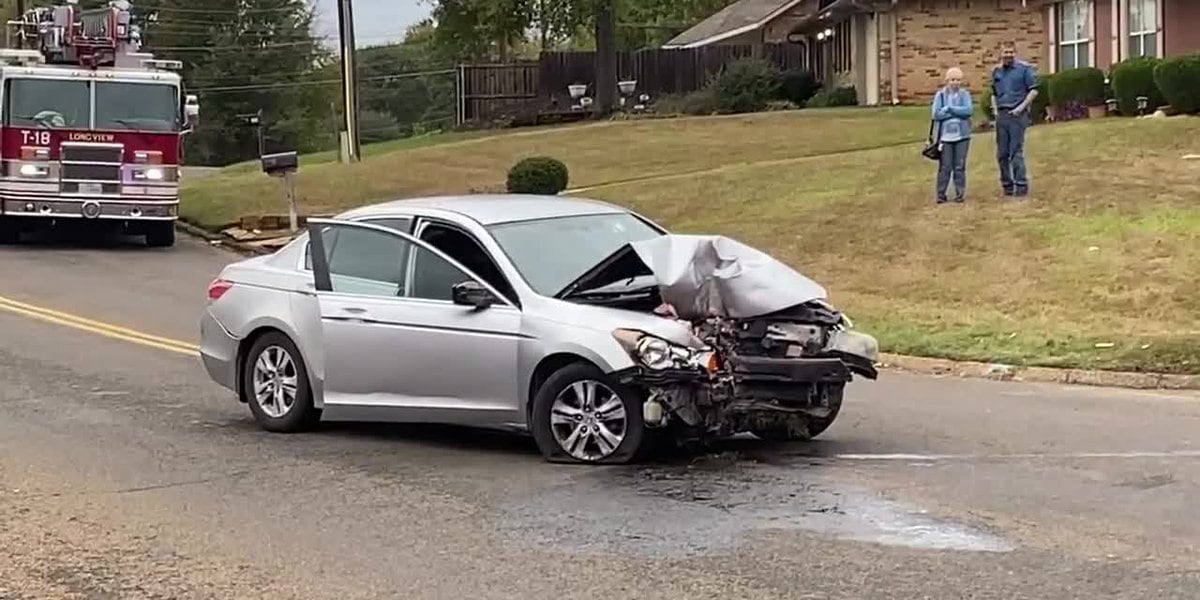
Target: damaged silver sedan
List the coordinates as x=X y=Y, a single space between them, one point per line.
x=584 y=324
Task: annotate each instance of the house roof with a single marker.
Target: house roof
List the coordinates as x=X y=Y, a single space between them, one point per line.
x=733 y=20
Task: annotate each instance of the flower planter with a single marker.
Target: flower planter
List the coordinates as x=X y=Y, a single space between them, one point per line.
x=1096 y=112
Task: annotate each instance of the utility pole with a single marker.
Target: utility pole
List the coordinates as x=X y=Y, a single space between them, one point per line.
x=606 y=57
x=349 y=81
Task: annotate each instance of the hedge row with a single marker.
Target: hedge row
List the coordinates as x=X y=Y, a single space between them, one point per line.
x=1174 y=81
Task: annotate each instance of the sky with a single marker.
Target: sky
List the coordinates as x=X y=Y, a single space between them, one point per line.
x=375 y=21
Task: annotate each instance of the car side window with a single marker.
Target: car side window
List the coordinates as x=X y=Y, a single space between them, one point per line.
x=367 y=262
x=434 y=277
x=401 y=224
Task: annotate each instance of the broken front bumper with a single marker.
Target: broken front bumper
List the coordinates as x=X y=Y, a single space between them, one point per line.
x=745 y=386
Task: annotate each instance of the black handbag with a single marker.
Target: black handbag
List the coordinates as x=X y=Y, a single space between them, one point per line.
x=933 y=146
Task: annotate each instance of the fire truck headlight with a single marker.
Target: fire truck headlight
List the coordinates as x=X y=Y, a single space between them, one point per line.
x=153 y=174
x=28 y=170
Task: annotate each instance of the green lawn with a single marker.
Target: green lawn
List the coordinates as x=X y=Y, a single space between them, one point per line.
x=1098 y=269
x=595 y=153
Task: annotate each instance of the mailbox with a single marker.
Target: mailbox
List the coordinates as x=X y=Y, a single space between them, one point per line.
x=280 y=163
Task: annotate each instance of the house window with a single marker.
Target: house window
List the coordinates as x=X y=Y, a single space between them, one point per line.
x=1143 y=28
x=1074 y=19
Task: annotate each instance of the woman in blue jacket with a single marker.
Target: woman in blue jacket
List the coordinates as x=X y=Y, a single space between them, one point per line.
x=952 y=109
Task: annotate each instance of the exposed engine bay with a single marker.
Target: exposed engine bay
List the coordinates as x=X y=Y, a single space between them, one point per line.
x=770 y=355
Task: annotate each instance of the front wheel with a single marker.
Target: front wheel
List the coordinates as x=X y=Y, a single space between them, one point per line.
x=160 y=235
x=275 y=385
x=10 y=233
x=813 y=426
x=581 y=415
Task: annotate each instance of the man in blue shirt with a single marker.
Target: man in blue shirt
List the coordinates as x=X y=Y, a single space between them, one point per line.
x=1014 y=86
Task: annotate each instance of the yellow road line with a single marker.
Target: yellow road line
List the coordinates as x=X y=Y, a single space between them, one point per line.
x=98 y=327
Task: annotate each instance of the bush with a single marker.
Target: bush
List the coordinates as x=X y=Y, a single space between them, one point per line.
x=1132 y=78
x=1179 y=81
x=841 y=96
x=1040 y=103
x=1084 y=86
x=698 y=103
x=798 y=86
x=538 y=175
x=745 y=85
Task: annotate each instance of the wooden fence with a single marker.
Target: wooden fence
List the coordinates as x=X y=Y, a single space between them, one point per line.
x=527 y=91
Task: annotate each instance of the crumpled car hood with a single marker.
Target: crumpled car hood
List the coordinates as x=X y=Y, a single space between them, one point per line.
x=712 y=275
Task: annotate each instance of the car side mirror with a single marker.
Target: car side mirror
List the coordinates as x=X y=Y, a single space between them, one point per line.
x=472 y=293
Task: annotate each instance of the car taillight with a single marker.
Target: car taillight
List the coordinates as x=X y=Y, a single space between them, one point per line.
x=217 y=288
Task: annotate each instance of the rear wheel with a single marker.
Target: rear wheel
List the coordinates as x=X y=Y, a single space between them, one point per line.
x=275 y=385
x=160 y=235
x=581 y=415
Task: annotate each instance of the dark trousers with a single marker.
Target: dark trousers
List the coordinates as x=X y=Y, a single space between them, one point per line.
x=953 y=164
x=1010 y=151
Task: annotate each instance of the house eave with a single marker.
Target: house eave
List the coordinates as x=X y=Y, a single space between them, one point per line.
x=732 y=33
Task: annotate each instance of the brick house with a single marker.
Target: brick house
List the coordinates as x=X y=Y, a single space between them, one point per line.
x=895 y=51
x=1100 y=33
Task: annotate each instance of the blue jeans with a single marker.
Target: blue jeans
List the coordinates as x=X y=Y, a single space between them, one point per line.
x=954 y=162
x=1010 y=151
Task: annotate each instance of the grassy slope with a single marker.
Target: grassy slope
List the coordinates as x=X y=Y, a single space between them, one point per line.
x=595 y=153
x=1106 y=251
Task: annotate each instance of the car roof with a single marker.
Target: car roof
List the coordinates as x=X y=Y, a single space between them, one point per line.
x=492 y=209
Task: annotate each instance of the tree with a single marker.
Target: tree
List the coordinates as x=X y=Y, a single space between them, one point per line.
x=242 y=56
x=606 y=57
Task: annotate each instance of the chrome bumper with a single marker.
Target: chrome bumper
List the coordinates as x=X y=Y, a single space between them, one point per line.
x=125 y=208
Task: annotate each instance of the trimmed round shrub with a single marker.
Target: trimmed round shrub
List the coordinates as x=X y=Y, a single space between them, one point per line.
x=745 y=85
x=798 y=86
x=1132 y=78
x=1084 y=86
x=1179 y=81
x=540 y=175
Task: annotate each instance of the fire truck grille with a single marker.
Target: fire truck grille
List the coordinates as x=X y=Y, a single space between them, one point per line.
x=90 y=172
x=92 y=154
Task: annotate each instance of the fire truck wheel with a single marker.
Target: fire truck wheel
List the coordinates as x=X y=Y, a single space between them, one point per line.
x=160 y=235
x=9 y=232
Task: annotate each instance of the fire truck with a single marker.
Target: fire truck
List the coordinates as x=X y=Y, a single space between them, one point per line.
x=91 y=127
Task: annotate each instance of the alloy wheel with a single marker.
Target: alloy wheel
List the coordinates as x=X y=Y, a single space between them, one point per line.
x=588 y=420
x=275 y=381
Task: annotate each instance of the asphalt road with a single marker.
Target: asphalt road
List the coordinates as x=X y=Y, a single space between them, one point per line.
x=124 y=473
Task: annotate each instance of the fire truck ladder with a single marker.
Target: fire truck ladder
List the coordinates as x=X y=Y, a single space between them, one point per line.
x=66 y=34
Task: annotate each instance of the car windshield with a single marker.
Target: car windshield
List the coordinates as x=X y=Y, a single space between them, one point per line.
x=551 y=253
x=67 y=104
x=140 y=106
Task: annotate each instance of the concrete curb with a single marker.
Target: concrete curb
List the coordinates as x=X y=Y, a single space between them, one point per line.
x=219 y=240
x=911 y=364
x=999 y=372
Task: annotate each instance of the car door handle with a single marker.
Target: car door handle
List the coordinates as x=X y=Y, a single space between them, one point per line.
x=354 y=310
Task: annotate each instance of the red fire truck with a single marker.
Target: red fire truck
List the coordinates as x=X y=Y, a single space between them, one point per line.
x=91 y=128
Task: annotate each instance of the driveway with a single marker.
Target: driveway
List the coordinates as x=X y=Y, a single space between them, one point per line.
x=125 y=473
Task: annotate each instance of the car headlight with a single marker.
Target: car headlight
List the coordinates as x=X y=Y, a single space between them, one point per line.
x=658 y=354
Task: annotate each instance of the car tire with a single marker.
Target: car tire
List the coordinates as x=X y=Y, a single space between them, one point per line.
x=559 y=393
x=278 y=350
x=160 y=235
x=815 y=425
x=10 y=233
